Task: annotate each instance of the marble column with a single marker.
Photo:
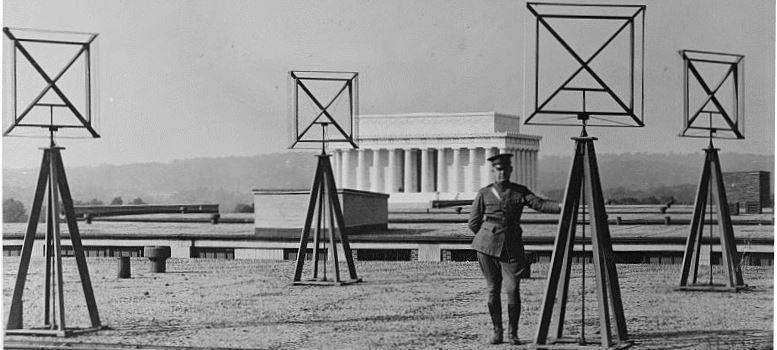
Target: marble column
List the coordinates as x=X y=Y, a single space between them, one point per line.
x=345 y=173
x=376 y=172
x=442 y=170
x=520 y=168
x=410 y=170
x=456 y=171
x=524 y=168
x=391 y=183
x=534 y=168
x=527 y=172
x=427 y=171
x=362 y=170
x=472 y=168
x=529 y=165
x=486 y=179
x=337 y=167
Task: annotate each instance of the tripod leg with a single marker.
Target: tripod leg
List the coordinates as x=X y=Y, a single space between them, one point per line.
x=329 y=192
x=727 y=242
x=340 y=220
x=602 y=232
x=563 y=291
x=599 y=230
x=317 y=234
x=48 y=246
x=561 y=248
x=16 y=310
x=75 y=238
x=303 y=241
x=59 y=285
x=693 y=244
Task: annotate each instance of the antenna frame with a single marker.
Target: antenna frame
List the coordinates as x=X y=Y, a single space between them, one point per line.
x=736 y=72
x=636 y=56
x=86 y=118
x=350 y=81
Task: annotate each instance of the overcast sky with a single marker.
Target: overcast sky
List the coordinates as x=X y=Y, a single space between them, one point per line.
x=185 y=79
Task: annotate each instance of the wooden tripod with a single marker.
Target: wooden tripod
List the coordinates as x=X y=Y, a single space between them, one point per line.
x=324 y=197
x=583 y=181
x=712 y=182
x=52 y=175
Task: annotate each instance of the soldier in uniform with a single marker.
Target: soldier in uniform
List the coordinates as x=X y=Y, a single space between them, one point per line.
x=495 y=220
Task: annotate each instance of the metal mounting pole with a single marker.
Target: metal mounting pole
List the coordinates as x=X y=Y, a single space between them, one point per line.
x=582 y=277
x=712 y=131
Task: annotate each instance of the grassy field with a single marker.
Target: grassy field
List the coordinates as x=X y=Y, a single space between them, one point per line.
x=400 y=305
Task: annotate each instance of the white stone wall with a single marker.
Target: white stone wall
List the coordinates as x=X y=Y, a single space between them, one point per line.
x=284 y=209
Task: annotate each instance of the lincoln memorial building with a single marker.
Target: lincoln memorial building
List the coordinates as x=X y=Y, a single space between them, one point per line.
x=419 y=157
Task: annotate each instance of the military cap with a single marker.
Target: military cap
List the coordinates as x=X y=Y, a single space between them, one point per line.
x=503 y=158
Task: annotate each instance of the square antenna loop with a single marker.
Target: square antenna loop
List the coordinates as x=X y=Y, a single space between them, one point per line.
x=611 y=70
x=725 y=118
x=710 y=93
x=324 y=109
x=38 y=49
x=51 y=84
x=584 y=64
x=314 y=84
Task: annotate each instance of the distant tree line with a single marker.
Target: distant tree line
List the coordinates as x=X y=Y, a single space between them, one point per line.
x=14 y=210
x=244 y=208
x=114 y=201
x=678 y=194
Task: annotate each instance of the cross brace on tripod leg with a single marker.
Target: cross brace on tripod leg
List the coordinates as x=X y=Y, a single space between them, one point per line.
x=712 y=182
x=52 y=181
x=610 y=307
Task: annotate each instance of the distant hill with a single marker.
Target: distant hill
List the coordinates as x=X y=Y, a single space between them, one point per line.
x=645 y=170
x=641 y=174
x=229 y=180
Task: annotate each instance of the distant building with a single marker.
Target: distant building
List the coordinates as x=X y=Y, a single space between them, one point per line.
x=750 y=189
x=424 y=156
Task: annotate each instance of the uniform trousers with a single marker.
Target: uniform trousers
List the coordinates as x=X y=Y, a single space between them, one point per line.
x=498 y=269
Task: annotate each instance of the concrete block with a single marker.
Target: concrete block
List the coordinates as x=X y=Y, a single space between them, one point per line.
x=286 y=209
x=430 y=252
x=261 y=254
x=180 y=249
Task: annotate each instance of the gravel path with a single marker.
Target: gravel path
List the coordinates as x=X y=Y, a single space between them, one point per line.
x=401 y=305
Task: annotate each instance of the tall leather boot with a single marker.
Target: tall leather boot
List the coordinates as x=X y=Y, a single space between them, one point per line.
x=495 y=309
x=513 y=315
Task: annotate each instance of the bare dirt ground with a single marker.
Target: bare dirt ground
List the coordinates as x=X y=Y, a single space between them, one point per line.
x=400 y=305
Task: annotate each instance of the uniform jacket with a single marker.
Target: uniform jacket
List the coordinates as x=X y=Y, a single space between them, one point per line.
x=496 y=215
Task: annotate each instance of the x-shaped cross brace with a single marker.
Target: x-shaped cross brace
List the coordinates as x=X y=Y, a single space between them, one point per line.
x=324 y=109
x=51 y=84
x=711 y=95
x=584 y=65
